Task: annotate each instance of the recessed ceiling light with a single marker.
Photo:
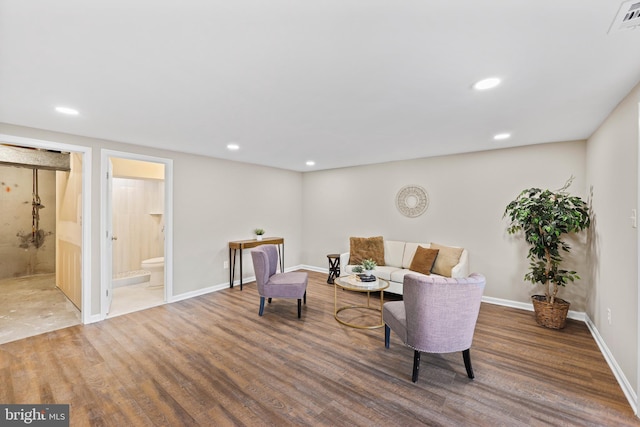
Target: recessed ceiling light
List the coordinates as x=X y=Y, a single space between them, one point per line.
x=311 y=163
x=233 y=147
x=487 y=83
x=67 y=110
x=501 y=136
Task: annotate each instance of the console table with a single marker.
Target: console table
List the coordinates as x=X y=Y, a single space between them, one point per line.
x=246 y=244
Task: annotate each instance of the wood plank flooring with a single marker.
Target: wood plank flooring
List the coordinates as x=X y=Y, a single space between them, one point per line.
x=211 y=360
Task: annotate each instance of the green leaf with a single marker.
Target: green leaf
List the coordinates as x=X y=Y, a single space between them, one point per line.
x=545 y=217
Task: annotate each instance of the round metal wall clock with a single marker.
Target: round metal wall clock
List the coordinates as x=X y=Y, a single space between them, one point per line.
x=412 y=200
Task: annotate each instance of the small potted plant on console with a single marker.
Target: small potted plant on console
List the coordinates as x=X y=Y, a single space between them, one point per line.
x=259 y=232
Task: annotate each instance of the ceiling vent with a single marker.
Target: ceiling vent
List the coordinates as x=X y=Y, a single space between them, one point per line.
x=628 y=16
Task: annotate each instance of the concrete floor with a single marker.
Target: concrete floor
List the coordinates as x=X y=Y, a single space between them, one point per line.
x=33 y=305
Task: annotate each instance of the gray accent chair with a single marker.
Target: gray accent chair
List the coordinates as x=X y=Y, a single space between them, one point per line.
x=437 y=315
x=276 y=285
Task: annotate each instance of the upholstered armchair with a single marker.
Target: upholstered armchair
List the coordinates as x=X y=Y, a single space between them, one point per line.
x=437 y=315
x=276 y=285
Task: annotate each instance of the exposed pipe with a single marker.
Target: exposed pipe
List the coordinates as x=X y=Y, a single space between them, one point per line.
x=37 y=235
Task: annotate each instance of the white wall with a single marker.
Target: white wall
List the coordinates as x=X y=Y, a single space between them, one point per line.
x=612 y=165
x=214 y=201
x=468 y=194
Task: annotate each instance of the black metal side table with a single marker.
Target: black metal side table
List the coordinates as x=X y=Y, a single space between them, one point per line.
x=334 y=267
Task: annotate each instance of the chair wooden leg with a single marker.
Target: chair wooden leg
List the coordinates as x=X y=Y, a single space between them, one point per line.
x=387 y=335
x=416 y=365
x=305 y=297
x=466 y=356
x=299 y=307
x=261 y=306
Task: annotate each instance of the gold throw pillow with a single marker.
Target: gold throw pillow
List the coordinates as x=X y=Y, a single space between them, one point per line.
x=423 y=260
x=366 y=247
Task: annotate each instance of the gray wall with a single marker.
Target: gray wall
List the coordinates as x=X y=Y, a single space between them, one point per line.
x=214 y=201
x=612 y=166
x=467 y=193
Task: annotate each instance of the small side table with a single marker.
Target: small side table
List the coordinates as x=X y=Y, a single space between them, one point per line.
x=353 y=283
x=246 y=244
x=334 y=267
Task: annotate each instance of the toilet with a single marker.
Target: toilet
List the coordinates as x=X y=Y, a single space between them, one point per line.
x=155 y=266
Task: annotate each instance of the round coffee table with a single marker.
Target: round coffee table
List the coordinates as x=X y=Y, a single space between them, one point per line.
x=353 y=283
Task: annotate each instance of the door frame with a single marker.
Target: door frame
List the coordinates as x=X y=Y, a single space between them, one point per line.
x=85 y=274
x=106 y=276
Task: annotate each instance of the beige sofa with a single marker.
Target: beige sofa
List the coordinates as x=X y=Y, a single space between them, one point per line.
x=397 y=258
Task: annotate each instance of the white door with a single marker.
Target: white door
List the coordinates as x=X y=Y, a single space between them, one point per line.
x=108 y=256
x=107 y=227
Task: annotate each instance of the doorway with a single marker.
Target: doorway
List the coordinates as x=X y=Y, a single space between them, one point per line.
x=137 y=232
x=46 y=251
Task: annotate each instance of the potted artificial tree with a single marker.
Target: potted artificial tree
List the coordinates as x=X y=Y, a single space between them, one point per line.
x=546 y=217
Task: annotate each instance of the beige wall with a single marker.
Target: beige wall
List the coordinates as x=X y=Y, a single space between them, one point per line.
x=468 y=194
x=137 y=222
x=127 y=168
x=612 y=165
x=137 y=213
x=69 y=231
x=214 y=201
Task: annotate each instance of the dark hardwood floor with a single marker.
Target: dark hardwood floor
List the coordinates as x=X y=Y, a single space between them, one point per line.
x=211 y=360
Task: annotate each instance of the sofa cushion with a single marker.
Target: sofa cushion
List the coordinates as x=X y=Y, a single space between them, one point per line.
x=362 y=248
x=410 y=251
x=447 y=258
x=384 y=272
x=393 y=253
x=423 y=260
x=398 y=275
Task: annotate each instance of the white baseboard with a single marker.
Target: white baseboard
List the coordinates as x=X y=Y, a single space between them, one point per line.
x=313 y=268
x=224 y=285
x=198 y=292
x=626 y=387
x=628 y=391
x=93 y=319
x=576 y=315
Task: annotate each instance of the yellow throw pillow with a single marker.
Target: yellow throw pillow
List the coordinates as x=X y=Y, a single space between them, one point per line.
x=448 y=258
x=366 y=247
x=423 y=260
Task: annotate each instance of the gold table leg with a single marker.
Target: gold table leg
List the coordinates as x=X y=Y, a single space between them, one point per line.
x=337 y=310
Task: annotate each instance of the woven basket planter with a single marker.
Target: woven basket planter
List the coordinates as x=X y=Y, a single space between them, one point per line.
x=552 y=316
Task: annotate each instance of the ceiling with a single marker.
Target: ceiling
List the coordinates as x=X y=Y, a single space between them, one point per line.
x=340 y=82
